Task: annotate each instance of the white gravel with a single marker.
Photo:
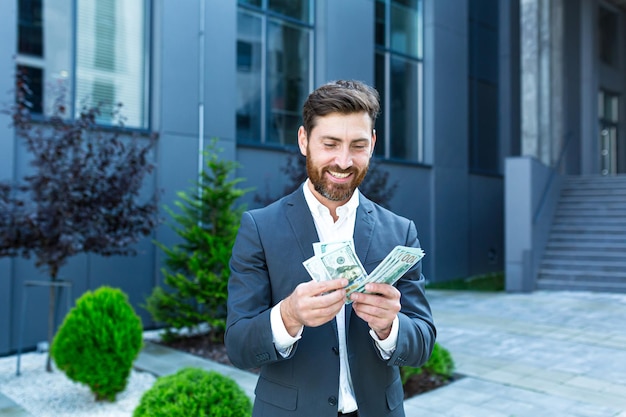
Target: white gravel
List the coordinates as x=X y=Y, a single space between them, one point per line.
x=45 y=394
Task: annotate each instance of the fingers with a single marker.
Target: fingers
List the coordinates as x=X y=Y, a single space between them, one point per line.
x=378 y=307
x=313 y=303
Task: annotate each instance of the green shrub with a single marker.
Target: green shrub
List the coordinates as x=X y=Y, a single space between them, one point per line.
x=98 y=342
x=440 y=363
x=197 y=272
x=194 y=392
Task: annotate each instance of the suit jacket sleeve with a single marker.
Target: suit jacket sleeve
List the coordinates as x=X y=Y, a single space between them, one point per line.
x=377 y=232
x=416 y=335
x=249 y=301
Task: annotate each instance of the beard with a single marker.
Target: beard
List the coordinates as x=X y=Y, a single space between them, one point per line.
x=330 y=190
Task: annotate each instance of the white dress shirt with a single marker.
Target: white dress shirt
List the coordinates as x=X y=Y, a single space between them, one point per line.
x=328 y=231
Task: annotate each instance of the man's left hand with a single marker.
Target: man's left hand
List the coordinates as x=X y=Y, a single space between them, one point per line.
x=378 y=307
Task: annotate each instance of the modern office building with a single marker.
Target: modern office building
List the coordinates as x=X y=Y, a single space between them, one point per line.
x=486 y=104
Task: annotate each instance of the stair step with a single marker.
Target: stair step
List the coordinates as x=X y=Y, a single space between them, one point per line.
x=587 y=228
x=565 y=214
x=594 y=195
x=609 y=239
x=589 y=224
x=591 y=255
x=596 y=220
x=583 y=179
x=583 y=244
x=560 y=285
x=586 y=203
x=580 y=274
x=586 y=249
x=587 y=266
x=595 y=199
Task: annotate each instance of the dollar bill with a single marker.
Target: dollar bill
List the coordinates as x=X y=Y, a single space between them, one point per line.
x=400 y=258
x=333 y=260
x=320 y=248
x=391 y=269
x=343 y=263
x=316 y=269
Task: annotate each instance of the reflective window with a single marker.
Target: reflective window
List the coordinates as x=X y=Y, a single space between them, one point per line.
x=100 y=58
x=30 y=27
x=608 y=36
x=608 y=113
x=273 y=69
x=31 y=87
x=296 y=9
x=608 y=106
x=398 y=29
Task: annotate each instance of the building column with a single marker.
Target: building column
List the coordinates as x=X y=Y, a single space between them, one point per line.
x=541 y=32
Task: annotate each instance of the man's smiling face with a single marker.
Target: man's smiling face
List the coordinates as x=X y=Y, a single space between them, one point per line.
x=338 y=150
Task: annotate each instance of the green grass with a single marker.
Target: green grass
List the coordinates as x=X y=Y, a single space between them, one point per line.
x=488 y=282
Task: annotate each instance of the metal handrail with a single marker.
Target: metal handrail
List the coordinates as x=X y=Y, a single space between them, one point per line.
x=548 y=183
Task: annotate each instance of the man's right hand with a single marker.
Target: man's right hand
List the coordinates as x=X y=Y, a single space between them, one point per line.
x=313 y=304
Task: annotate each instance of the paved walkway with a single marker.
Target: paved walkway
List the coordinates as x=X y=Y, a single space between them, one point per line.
x=540 y=354
x=544 y=354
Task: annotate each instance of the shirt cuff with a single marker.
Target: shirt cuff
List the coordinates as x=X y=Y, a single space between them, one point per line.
x=387 y=346
x=283 y=341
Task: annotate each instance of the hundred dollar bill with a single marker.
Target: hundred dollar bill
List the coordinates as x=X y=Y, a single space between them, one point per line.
x=316 y=269
x=400 y=257
x=391 y=269
x=343 y=263
x=314 y=265
x=320 y=248
x=335 y=260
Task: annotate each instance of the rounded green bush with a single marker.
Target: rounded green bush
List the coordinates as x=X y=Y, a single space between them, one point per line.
x=440 y=363
x=98 y=342
x=194 y=392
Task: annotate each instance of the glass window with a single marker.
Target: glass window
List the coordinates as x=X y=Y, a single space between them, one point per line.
x=398 y=76
x=406 y=31
x=404 y=107
x=249 y=76
x=608 y=36
x=32 y=90
x=273 y=70
x=608 y=112
x=296 y=9
x=608 y=106
x=92 y=53
x=110 y=58
x=30 y=27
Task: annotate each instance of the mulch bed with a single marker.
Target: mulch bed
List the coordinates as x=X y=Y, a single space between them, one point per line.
x=203 y=347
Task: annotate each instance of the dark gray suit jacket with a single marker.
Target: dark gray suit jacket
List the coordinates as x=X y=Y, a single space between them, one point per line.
x=266 y=266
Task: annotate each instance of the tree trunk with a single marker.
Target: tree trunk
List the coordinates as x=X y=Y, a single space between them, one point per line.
x=51 y=320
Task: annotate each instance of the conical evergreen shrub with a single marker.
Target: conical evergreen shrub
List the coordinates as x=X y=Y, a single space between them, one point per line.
x=98 y=342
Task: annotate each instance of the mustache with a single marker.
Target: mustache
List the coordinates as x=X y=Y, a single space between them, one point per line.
x=335 y=168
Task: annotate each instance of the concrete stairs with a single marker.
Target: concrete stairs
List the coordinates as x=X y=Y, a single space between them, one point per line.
x=586 y=249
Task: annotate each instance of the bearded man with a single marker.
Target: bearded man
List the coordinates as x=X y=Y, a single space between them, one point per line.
x=320 y=356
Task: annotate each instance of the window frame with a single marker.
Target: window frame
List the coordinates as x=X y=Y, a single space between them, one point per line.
x=267 y=17
x=388 y=54
x=72 y=102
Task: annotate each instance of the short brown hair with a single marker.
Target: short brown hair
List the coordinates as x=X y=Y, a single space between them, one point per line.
x=342 y=96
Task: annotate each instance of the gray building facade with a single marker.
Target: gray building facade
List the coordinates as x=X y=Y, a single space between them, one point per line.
x=453 y=76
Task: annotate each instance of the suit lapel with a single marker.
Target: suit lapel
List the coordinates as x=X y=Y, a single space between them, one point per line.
x=301 y=222
x=363 y=228
x=363 y=233
x=302 y=225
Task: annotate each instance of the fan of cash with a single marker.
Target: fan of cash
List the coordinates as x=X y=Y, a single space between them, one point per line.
x=335 y=260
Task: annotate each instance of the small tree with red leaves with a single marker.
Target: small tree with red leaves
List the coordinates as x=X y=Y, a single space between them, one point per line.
x=82 y=195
